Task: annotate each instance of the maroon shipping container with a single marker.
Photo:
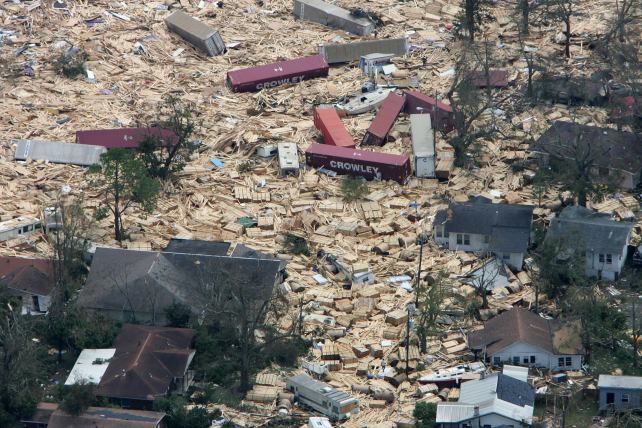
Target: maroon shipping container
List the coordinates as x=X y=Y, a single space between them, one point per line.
x=383 y=121
x=370 y=165
x=329 y=123
x=441 y=113
x=124 y=138
x=496 y=79
x=278 y=73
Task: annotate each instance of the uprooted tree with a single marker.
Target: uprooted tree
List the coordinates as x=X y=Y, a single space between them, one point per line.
x=122 y=182
x=163 y=156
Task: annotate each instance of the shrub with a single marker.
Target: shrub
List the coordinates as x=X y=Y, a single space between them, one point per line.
x=425 y=413
x=296 y=245
x=71 y=64
x=353 y=188
x=78 y=398
x=178 y=315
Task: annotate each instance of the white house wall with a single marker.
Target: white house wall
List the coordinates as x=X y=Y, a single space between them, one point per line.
x=609 y=270
x=542 y=357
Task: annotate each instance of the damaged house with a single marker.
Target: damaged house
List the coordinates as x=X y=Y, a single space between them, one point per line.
x=521 y=337
x=602 y=241
x=31 y=280
x=615 y=152
x=481 y=226
x=131 y=285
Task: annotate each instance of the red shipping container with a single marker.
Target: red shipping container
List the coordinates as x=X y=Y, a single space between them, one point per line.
x=278 y=73
x=369 y=165
x=328 y=122
x=384 y=120
x=441 y=114
x=124 y=138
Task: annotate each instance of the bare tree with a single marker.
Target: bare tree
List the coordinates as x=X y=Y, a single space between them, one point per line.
x=636 y=332
x=626 y=12
x=429 y=308
x=562 y=11
x=482 y=279
x=472 y=16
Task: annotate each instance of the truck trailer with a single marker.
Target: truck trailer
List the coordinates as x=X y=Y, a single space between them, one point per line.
x=335 y=404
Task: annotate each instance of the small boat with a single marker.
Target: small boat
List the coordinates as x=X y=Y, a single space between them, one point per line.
x=365 y=102
x=454 y=375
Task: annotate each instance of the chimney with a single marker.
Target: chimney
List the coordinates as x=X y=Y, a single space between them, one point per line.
x=476 y=411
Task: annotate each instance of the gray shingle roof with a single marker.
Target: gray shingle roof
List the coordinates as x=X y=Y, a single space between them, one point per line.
x=507 y=225
x=195 y=246
x=594 y=231
x=515 y=391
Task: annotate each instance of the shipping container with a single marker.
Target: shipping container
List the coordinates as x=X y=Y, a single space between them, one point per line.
x=369 y=165
x=372 y=63
x=332 y=16
x=58 y=152
x=328 y=122
x=278 y=73
x=321 y=397
x=423 y=145
x=441 y=114
x=335 y=53
x=124 y=138
x=495 y=79
x=288 y=158
x=197 y=33
x=384 y=120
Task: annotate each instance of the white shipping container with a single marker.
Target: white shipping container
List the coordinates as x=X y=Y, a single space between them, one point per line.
x=288 y=158
x=423 y=145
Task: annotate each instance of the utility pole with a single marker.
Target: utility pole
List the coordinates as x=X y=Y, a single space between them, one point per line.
x=411 y=312
x=422 y=239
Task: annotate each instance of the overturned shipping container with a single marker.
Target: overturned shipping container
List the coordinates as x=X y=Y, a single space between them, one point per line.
x=369 y=165
x=423 y=145
x=125 y=138
x=58 y=152
x=345 y=52
x=197 y=33
x=328 y=122
x=332 y=16
x=441 y=114
x=384 y=120
x=278 y=73
x=288 y=158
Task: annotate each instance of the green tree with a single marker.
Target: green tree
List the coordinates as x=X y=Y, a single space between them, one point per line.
x=122 y=182
x=559 y=265
x=426 y=414
x=21 y=370
x=164 y=158
x=61 y=323
x=429 y=307
x=353 y=188
x=178 y=314
x=78 y=398
x=471 y=17
x=178 y=416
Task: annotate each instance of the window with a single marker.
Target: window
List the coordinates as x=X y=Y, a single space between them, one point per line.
x=560 y=362
x=601 y=256
x=25 y=229
x=496 y=361
x=609 y=259
x=486 y=239
x=439 y=232
x=335 y=409
x=532 y=359
x=515 y=360
x=460 y=239
x=466 y=239
x=569 y=361
x=506 y=256
x=625 y=398
x=525 y=360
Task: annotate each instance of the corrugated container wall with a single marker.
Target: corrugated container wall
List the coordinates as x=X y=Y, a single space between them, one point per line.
x=328 y=122
x=278 y=73
x=197 y=33
x=332 y=16
x=370 y=165
x=124 y=138
x=423 y=145
x=384 y=120
x=441 y=113
x=345 y=52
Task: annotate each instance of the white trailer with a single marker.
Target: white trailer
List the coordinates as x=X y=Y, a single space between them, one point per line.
x=335 y=404
x=288 y=158
x=423 y=145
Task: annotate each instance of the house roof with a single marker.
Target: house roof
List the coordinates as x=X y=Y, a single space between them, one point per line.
x=507 y=225
x=623 y=382
x=104 y=417
x=594 y=231
x=520 y=325
x=623 y=149
x=124 y=279
x=197 y=246
x=90 y=366
x=146 y=361
x=34 y=276
x=498 y=393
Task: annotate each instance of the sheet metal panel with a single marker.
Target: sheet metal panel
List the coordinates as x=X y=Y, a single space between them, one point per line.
x=384 y=120
x=278 y=73
x=370 y=165
x=58 y=152
x=332 y=16
x=328 y=122
x=124 y=138
x=441 y=114
x=345 y=52
x=197 y=33
x=288 y=158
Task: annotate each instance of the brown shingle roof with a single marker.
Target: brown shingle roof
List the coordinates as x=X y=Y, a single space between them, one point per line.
x=515 y=325
x=103 y=417
x=146 y=361
x=34 y=276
